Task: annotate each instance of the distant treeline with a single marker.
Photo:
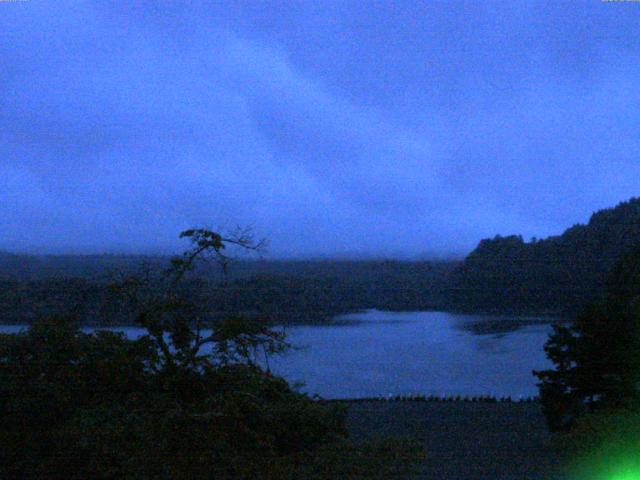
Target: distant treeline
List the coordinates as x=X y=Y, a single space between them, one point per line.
x=505 y=275
x=558 y=275
x=285 y=291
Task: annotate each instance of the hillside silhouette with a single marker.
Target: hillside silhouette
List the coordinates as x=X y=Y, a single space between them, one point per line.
x=503 y=275
x=557 y=275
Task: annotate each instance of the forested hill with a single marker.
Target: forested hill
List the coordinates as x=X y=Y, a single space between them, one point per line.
x=502 y=275
x=556 y=275
x=22 y=267
x=286 y=291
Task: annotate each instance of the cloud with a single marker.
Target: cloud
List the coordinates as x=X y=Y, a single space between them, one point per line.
x=394 y=131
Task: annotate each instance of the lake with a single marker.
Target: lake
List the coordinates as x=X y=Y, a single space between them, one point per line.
x=377 y=353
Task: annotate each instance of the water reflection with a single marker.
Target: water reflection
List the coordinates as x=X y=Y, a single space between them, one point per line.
x=376 y=353
x=383 y=353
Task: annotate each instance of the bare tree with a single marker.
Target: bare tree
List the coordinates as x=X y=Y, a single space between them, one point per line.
x=157 y=304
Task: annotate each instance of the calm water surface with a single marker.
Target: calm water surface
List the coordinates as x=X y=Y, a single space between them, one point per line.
x=388 y=353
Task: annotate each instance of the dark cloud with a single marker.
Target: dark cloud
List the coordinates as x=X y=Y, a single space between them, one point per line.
x=332 y=127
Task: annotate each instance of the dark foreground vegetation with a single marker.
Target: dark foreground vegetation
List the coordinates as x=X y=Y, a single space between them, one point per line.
x=78 y=406
x=173 y=404
x=591 y=398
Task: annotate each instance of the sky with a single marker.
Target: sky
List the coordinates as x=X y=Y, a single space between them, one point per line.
x=395 y=129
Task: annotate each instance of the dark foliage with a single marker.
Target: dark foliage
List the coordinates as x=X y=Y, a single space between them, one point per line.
x=597 y=357
x=287 y=292
x=558 y=275
x=79 y=405
x=187 y=400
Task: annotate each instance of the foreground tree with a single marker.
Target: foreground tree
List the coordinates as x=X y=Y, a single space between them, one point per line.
x=597 y=356
x=189 y=399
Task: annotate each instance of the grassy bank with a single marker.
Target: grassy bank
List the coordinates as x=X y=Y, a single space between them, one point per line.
x=464 y=440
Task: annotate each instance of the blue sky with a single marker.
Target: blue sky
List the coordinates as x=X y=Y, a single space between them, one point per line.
x=334 y=128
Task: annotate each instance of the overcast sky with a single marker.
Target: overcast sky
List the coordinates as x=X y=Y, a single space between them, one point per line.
x=368 y=128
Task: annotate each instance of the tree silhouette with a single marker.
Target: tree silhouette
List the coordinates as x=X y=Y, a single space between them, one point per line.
x=597 y=356
x=175 y=325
